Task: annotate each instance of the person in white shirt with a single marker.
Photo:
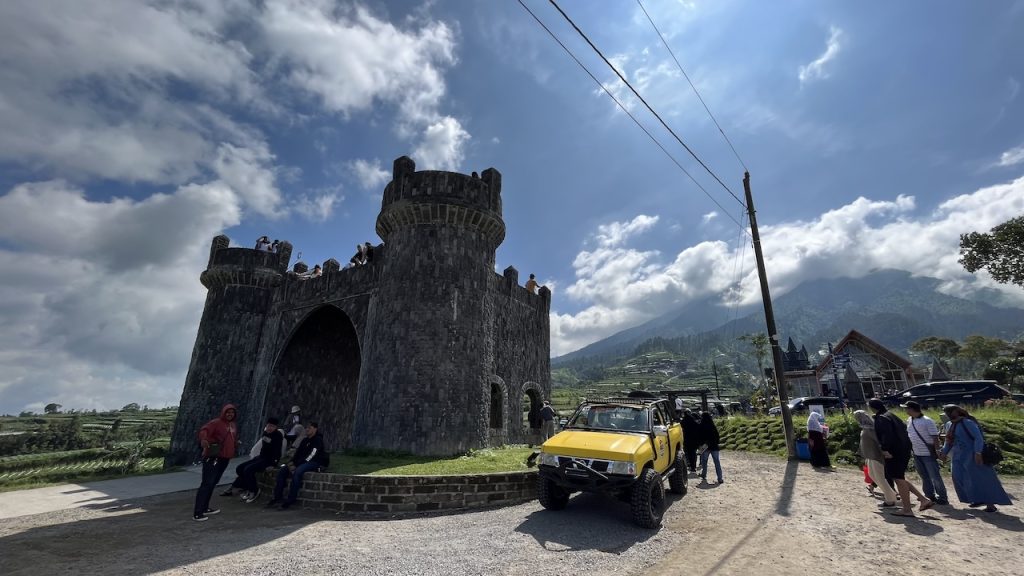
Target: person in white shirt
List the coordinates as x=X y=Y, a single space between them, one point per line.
x=925 y=440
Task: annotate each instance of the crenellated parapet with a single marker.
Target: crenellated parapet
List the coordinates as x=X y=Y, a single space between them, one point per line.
x=244 y=266
x=438 y=198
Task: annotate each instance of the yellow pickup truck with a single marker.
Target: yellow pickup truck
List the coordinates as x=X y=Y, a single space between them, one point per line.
x=624 y=447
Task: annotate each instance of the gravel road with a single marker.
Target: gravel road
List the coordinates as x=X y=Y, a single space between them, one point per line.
x=769 y=518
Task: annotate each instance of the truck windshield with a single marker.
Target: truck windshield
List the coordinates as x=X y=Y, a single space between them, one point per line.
x=610 y=417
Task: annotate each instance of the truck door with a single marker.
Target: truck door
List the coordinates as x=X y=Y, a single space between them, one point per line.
x=660 y=427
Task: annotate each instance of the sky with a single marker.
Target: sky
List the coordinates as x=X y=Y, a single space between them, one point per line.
x=132 y=132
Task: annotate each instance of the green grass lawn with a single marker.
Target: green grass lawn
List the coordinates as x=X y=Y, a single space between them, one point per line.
x=505 y=459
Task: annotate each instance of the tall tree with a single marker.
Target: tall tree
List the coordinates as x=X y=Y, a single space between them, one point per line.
x=982 y=350
x=1000 y=251
x=760 y=344
x=936 y=348
x=52 y=408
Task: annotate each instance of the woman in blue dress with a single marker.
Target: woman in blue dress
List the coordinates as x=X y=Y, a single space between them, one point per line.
x=975 y=483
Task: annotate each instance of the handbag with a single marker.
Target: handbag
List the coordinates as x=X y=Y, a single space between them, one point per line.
x=990 y=453
x=930 y=445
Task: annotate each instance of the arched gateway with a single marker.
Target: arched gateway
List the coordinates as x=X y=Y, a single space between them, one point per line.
x=407 y=353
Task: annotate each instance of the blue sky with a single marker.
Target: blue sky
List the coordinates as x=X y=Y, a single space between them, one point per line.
x=132 y=132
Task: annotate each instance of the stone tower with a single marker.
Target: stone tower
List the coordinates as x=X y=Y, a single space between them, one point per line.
x=425 y=350
x=430 y=371
x=240 y=284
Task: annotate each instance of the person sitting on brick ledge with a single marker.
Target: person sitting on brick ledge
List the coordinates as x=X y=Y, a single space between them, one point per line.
x=310 y=457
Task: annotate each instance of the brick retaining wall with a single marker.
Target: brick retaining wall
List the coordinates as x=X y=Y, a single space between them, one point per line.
x=405 y=494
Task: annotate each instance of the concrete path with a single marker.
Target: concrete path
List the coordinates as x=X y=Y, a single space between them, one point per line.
x=103 y=494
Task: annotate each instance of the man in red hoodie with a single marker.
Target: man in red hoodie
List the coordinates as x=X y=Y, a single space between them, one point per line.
x=219 y=438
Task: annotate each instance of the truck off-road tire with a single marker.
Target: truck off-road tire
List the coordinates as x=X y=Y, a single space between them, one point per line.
x=648 y=499
x=677 y=481
x=551 y=495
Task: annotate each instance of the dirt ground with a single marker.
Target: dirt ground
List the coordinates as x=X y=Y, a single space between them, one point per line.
x=770 y=517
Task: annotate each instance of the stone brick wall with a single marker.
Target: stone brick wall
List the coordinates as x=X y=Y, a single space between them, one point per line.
x=408 y=494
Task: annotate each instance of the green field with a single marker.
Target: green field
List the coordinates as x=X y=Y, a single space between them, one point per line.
x=505 y=459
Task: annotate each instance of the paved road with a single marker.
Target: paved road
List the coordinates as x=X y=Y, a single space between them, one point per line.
x=770 y=518
x=102 y=494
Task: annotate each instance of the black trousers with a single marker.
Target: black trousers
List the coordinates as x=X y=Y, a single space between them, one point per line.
x=691 y=457
x=213 y=469
x=246 y=473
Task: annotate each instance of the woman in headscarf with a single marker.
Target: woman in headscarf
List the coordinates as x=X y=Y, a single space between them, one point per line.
x=975 y=482
x=816 y=441
x=871 y=451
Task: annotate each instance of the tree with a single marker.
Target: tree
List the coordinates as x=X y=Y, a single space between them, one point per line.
x=133 y=407
x=760 y=343
x=982 y=349
x=1001 y=252
x=52 y=408
x=935 y=347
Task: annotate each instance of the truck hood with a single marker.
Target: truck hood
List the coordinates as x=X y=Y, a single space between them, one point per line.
x=601 y=445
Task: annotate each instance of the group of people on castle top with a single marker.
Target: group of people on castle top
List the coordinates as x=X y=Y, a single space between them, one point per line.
x=263 y=244
x=887 y=444
x=220 y=443
x=316 y=272
x=362 y=257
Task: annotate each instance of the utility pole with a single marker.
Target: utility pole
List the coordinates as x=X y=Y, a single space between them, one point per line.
x=714 y=369
x=769 y=318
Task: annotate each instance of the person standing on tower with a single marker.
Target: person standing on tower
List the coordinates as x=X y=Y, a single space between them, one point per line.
x=367 y=253
x=219 y=439
x=531 y=284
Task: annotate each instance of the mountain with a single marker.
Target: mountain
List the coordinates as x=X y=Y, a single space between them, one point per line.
x=890 y=306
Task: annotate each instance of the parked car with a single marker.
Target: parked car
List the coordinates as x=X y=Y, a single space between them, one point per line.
x=802 y=405
x=964 y=392
x=621 y=447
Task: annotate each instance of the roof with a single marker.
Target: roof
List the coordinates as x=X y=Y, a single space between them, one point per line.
x=868 y=344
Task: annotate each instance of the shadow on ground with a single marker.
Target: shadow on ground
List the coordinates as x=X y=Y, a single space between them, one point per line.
x=589 y=522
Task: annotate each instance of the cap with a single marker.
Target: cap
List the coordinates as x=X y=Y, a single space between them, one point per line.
x=912 y=405
x=295 y=410
x=876 y=404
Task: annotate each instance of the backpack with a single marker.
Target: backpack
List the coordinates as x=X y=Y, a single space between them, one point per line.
x=991 y=454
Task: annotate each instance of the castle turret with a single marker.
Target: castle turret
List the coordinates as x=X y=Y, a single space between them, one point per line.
x=240 y=284
x=427 y=376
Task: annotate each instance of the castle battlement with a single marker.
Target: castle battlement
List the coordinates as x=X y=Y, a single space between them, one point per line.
x=426 y=335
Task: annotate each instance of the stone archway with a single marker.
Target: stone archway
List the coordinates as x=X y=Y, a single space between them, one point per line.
x=318 y=370
x=530 y=401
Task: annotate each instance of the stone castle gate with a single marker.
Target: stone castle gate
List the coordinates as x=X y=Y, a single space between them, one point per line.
x=425 y=350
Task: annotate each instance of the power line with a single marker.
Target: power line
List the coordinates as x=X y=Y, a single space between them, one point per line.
x=630 y=114
x=695 y=91
x=641 y=98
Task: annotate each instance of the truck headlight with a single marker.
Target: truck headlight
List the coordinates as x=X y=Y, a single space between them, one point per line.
x=626 y=468
x=547 y=459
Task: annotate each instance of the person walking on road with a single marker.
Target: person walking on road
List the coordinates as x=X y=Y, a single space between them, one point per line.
x=924 y=437
x=710 y=437
x=871 y=451
x=219 y=439
x=691 y=438
x=975 y=482
x=816 y=441
x=892 y=436
x=547 y=416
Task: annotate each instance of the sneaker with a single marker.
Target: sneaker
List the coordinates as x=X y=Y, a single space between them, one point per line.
x=200 y=518
x=252 y=496
x=720 y=481
x=211 y=511
x=243 y=495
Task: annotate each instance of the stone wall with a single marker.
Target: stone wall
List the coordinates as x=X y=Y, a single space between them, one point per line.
x=409 y=494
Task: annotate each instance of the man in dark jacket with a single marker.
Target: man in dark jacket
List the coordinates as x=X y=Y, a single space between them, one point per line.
x=271 y=448
x=219 y=439
x=691 y=439
x=310 y=457
x=896 y=447
x=709 y=436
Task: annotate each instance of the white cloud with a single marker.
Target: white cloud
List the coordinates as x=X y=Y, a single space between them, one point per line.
x=442 y=145
x=615 y=233
x=370 y=174
x=816 y=69
x=319 y=206
x=1011 y=157
x=621 y=287
x=705 y=219
x=248 y=172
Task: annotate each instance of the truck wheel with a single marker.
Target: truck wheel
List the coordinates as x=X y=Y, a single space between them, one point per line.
x=677 y=481
x=648 y=499
x=551 y=495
